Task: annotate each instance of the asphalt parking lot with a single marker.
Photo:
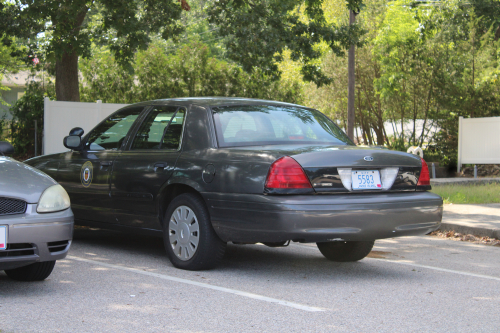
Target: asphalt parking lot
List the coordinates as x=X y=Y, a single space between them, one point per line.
x=114 y=282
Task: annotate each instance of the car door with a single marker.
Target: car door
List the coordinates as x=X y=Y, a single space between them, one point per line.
x=140 y=171
x=85 y=174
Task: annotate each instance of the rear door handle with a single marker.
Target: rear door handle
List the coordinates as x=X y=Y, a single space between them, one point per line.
x=106 y=163
x=162 y=165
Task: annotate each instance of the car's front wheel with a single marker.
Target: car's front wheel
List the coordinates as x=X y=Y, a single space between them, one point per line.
x=190 y=240
x=345 y=251
x=35 y=272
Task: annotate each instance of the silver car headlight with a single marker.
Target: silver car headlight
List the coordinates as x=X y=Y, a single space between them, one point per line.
x=53 y=199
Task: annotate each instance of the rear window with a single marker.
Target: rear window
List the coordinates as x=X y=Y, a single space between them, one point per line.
x=252 y=125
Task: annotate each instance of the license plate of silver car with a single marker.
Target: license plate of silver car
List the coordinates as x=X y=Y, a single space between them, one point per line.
x=3 y=237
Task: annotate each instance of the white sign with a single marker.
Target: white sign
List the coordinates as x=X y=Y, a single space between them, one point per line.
x=478 y=141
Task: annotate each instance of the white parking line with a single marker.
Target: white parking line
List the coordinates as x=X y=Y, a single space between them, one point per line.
x=202 y=285
x=439 y=269
x=420 y=266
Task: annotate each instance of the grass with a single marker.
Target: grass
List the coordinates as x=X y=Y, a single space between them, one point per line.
x=468 y=194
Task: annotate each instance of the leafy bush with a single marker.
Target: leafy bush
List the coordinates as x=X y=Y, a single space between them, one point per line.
x=104 y=79
x=3 y=129
x=24 y=112
x=190 y=71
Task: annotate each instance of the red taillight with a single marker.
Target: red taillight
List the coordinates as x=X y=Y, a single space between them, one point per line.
x=425 y=177
x=287 y=173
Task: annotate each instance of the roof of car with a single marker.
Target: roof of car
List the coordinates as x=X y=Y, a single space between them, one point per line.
x=214 y=101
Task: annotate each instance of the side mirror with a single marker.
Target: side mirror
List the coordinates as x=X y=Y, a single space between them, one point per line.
x=78 y=131
x=72 y=142
x=6 y=148
x=74 y=139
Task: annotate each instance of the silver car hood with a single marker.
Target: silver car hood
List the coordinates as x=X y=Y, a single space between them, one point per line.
x=20 y=181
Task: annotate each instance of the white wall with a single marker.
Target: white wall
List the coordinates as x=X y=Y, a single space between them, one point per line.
x=61 y=117
x=478 y=141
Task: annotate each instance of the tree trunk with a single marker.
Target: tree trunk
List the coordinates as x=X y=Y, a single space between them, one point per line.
x=67 y=88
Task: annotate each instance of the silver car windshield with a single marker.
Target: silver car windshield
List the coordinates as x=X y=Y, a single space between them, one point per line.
x=252 y=125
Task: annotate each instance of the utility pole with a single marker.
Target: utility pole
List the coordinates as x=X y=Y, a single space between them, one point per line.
x=351 y=86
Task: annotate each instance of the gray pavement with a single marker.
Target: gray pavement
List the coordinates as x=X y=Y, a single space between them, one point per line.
x=479 y=220
x=114 y=282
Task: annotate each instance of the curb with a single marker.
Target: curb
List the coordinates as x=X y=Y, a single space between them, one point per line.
x=482 y=232
x=463 y=181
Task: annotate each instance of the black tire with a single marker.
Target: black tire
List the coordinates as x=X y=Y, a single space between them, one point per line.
x=345 y=251
x=179 y=237
x=38 y=271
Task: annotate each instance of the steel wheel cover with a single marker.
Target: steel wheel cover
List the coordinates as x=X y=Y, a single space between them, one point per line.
x=184 y=233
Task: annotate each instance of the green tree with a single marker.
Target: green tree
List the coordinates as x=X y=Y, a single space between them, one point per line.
x=9 y=60
x=370 y=107
x=469 y=67
x=434 y=63
x=124 y=26
x=190 y=71
x=11 y=53
x=489 y=11
x=407 y=70
x=105 y=79
x=258 y=33
x=197 y=28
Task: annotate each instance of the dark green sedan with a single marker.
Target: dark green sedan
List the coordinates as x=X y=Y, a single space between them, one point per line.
x=202 y=172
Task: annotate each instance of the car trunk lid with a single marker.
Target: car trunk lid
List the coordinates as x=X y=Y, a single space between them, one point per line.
x=322 y=166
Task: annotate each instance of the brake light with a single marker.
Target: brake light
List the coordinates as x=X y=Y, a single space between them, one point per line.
x=286 y=173
x=425 y=177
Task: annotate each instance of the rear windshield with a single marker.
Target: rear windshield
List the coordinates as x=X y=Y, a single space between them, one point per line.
x=252 y=125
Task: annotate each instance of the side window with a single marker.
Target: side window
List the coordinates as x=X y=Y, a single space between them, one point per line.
x=173 y=134
x=157 y=129
x=111 y=133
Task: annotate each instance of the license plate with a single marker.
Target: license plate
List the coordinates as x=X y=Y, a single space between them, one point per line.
x=366 y=180
x=3 y=237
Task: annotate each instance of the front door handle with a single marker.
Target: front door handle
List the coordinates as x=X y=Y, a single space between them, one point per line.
x=106 y=163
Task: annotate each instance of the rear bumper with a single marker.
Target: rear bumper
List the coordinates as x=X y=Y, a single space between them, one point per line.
x=33 y=237
x=317 y=218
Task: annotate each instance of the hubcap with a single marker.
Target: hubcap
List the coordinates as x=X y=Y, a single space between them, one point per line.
x=184 y=232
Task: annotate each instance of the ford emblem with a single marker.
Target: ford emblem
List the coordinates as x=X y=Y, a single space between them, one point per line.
x=368 y=158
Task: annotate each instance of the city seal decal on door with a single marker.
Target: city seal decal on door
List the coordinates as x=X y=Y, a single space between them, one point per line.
x=86 y=174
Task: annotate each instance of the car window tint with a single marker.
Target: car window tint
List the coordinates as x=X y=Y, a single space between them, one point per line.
x=274 y=125
x=151 y=132
x=173 y=135
x=237 y=123
x=111 y=132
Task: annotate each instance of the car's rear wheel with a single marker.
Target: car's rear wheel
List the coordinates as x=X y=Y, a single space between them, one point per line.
x=35 y=272
x=345 y=251
x=190 y=240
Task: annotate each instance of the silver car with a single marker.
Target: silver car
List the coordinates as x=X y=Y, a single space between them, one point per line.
x=36 y=221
